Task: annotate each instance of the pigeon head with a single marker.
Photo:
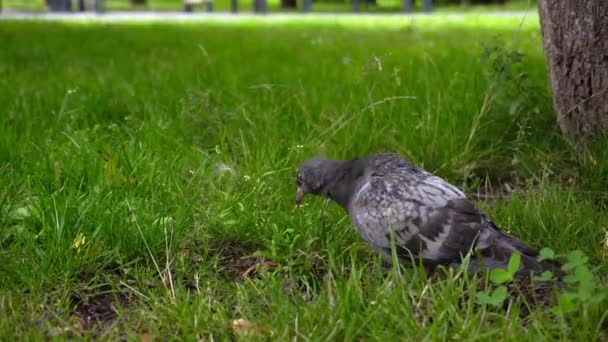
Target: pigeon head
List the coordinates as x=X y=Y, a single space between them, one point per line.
x=314 y=176
x=334 y=179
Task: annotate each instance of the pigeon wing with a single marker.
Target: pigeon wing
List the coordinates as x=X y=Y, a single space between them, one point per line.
x=424 y=215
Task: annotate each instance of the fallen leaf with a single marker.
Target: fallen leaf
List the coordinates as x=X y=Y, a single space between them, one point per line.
x=242 y=327
x=259 y=264
x=145 y=337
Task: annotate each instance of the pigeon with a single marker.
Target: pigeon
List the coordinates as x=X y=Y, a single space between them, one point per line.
x=392 y=202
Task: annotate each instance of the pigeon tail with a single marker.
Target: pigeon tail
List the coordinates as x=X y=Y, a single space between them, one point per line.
x=498 y=253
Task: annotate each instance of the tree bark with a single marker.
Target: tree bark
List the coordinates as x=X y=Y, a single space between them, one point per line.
x=575 y=37
x=60 y=5
x=289 y=4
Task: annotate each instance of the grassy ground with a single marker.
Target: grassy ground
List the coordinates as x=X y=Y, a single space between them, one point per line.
x=147 y=176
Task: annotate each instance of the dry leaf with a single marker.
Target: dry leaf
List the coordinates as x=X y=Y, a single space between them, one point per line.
x=259 y=264
x=242 y=327
x=145 y=337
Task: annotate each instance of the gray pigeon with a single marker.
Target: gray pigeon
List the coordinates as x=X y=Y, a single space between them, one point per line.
x=390 y=199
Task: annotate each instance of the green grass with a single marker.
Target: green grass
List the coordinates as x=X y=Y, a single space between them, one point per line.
x=139 y=164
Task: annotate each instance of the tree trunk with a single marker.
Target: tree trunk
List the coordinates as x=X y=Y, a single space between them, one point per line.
x=288 y=4
x=575 y=37
x=60 y=5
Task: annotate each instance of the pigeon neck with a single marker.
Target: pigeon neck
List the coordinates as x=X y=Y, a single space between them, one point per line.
x=340 y=186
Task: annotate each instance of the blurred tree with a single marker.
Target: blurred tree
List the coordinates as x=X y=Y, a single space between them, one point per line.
x=288 y=4
x=469 y=2
x=138 y=2
x=575 y=37
x=59 y=5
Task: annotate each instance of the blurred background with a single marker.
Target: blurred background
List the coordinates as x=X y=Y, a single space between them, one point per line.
x=372 y=6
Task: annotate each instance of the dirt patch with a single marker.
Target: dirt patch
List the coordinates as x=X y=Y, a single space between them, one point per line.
x=237 y=259
x=534 y=293
x=488 y=191
x=96 y=311
x=233 y=259
x=93 y=313
x=530 y=294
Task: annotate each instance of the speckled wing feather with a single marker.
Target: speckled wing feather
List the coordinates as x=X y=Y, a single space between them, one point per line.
x=426 y=216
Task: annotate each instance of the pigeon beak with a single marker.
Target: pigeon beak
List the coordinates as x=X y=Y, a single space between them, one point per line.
x=299 y=196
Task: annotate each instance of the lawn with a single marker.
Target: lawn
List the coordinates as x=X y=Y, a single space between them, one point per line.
x=147 y=177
